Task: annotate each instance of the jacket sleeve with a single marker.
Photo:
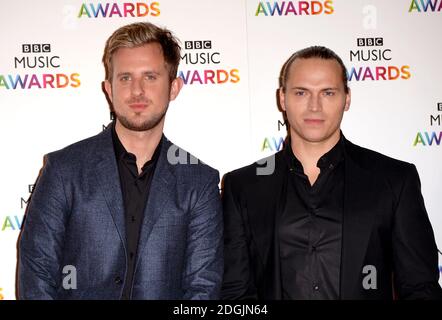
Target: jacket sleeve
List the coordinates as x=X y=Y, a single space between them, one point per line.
x=204 y=256
x=238 y=282
x=415 y=254
x=41 y=240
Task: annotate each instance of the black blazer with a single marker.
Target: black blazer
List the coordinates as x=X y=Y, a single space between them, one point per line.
x=385 y=225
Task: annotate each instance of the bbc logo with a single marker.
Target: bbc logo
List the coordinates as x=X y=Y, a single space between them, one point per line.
x=370 y=42
x=205 y=44
x=36 y=48
x=439 y=106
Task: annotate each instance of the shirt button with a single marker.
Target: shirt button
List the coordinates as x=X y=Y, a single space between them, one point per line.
x=316 y=287
x=331 y=166
x=118 y=280
x=133 y=219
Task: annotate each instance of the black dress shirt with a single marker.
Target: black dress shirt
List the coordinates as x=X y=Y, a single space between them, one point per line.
x=310 y=228
x=135 y=189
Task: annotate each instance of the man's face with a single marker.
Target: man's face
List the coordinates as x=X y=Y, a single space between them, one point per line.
x=141 y=90
x=314 y=99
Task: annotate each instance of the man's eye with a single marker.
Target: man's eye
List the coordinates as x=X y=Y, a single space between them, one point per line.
x=329 y=93
x=150 y=77
x=124 y=78
x=299 y=93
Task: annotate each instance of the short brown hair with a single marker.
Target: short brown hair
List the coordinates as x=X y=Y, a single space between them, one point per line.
x=138 y=34
x=313 y=52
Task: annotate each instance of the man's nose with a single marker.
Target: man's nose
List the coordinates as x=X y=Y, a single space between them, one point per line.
x=314 y=103
x=137 y=87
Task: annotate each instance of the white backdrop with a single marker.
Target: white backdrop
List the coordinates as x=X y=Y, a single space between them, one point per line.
x=233 y=121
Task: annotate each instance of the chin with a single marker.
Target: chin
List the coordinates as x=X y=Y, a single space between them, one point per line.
x=314 y=136
x=315 y=139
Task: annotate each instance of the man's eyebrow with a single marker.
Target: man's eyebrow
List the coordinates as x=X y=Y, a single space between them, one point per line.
x=298 y=88
x=123 y=74
x=151 y=72
x=303 y=88
x=127 y=73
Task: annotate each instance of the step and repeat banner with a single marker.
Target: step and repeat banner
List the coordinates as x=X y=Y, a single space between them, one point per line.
x=233 y=50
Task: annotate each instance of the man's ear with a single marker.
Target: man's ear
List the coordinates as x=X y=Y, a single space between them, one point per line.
x=175 y=88
x=282 y=99
x=347 y=100
x=108 y=89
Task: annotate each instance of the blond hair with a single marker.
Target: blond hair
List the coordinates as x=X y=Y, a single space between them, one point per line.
x=138 y=34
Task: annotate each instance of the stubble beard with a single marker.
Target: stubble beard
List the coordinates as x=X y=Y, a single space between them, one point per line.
x=143 y=126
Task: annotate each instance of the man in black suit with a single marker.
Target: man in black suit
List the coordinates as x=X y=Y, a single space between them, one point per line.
x=324 y=218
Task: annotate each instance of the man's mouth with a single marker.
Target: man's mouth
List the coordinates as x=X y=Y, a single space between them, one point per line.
x=138 y=106
x=313 y=121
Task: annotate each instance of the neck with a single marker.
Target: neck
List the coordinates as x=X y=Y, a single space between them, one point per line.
x=308 y=153
x=140 y=143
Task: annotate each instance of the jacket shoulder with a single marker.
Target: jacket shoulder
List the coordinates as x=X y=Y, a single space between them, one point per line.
x=261 y=171
x=81 y=151
x=186 y=164
x=373 y=160
x=392 y=171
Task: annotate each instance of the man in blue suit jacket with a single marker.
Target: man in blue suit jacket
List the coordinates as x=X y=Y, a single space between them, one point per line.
x=126 y=214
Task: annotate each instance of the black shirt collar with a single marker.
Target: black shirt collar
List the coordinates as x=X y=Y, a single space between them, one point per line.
x=329 y=160
x=122 y=154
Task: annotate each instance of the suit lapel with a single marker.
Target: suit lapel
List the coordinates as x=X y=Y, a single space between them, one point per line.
x=162 y=191
x=109 y=181
x=263 y=205
x=265 y=201
x=357 y=224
